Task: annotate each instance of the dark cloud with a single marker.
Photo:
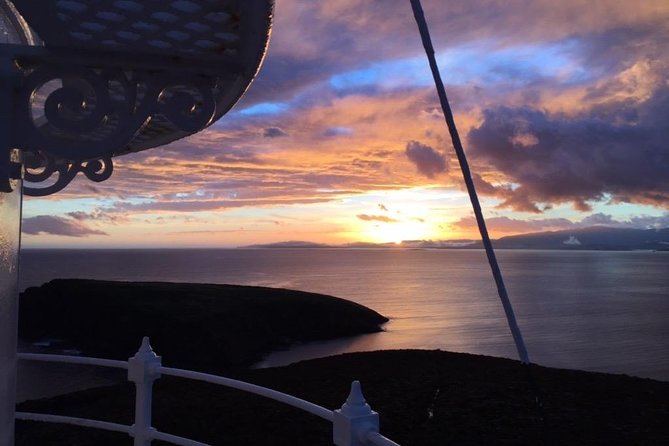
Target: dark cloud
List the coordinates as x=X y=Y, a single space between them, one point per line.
x=79 y=215
x=381 y=218
x=482 y=186
x=238 y=156
x=211 y=205
x=382 y=207
x=366 y=164
x=381 y=153
x=636 y=222
x=428 y=161
x=338 y=131
x=558 y=159
x=99 y=215
x=614 y=49
x=644 y=221
x=312 y=40
x=514 y=225
x=274 y=132
x=517 y=225
x=283 y=76
x=48 y=224
x=598 y=219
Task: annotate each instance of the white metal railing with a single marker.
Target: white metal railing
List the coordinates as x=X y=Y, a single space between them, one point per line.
x=354 y=424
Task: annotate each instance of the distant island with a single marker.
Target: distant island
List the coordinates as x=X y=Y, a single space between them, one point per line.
x=591 y=238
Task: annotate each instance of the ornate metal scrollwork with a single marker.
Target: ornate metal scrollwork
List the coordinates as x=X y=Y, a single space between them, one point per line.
x=80 y=113
x=39 y=167
x=75 y=118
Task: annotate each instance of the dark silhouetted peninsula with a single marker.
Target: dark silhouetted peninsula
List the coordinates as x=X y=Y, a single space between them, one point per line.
x=198 y=326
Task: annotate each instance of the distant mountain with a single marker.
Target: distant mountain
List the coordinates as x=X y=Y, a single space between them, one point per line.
x=441 y=244
x=596 y=237
x=415 y=244
x=592 y=238
x=290 y=244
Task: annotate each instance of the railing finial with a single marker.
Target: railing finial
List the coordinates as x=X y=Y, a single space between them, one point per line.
x=145 y=348
x=143 y=371
x=353 y=423
x=355 y=404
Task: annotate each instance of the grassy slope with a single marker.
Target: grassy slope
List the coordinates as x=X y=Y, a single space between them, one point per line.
x=474 y=400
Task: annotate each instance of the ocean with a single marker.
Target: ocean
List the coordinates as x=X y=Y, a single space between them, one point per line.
x=591 y=310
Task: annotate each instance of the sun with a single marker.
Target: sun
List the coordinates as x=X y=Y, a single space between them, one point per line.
x=396 y=232
x=401 y=215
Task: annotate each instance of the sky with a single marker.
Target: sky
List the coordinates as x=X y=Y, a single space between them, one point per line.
x=562 y=108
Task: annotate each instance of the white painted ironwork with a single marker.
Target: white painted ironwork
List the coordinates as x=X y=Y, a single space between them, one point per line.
x=81 y=360
x=377 y=439
x=354 y=424
x=83 y=422
x=169 y=438
x=143 y=371
x=107 y=77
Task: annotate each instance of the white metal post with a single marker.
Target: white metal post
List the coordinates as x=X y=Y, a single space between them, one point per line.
x=143 y=371
x=353 y=423
x=10 y=236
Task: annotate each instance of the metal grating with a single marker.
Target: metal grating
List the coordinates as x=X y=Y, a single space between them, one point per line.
x=150 y=26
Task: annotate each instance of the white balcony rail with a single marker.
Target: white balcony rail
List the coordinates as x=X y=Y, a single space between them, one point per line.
x=354 y=424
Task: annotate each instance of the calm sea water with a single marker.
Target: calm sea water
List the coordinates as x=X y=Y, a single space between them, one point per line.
x=590 y=310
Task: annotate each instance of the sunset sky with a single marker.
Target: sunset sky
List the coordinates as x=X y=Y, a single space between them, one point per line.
x=563 y=108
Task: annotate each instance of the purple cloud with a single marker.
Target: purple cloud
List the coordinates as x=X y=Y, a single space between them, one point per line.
x=608 y=152
x=48 y=224
x=381 y=218
x=428 y=161
x=274 y=132
x=238 y=156
x=517 y=225
x=338 y=131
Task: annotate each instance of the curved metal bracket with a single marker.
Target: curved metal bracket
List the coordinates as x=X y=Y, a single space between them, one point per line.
x=39 y=170
x=84 y=113
x=72 y=118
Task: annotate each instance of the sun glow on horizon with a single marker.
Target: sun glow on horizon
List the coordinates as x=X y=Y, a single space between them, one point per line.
x=406 y=214
x=397 y=233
